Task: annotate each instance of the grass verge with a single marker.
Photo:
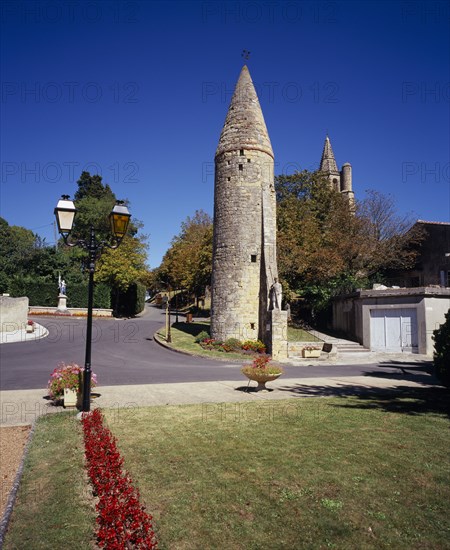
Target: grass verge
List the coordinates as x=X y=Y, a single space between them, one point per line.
x=183 y=338
x=300 y=335
x=53 y=508
x=306 y=473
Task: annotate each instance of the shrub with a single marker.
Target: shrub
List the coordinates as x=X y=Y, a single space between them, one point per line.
x=441 y=337
x=233 y=344
x=254 y=345
x=203 y=335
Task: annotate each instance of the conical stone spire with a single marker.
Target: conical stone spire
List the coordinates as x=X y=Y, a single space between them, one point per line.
x=244 y=124
x=244 y=242
x=328 y=162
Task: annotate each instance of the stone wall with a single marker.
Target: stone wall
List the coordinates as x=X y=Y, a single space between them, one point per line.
x=278 y=334
x=13 y=313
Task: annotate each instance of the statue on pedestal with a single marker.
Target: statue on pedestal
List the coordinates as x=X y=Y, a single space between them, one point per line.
x=276 y=294
x=62 y=287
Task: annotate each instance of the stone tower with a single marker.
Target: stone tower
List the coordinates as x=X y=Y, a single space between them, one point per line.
x=244 y=246
x=340 y=181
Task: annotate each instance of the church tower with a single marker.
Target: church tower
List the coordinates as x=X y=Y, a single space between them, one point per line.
x=340 y=181
x=244 y=244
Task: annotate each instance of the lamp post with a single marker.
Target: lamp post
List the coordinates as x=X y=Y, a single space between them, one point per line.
x=169 y=334
x=119 y=218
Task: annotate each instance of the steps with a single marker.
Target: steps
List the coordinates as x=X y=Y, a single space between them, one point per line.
x=351 y=347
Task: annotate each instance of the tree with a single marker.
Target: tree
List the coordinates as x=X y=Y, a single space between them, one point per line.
x=188 y=262
x=17 y=248
x=325 y=247
x=124 y=266
x=391 y=240
x=94 y=202
x=119 y=268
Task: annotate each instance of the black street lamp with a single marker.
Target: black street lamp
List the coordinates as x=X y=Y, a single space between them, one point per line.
x=119 y=218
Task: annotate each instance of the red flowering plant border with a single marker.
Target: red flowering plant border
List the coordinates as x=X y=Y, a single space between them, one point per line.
x=122 y=521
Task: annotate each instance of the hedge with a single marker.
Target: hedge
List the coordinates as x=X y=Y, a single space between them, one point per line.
x=130 y=302
x=40 y=292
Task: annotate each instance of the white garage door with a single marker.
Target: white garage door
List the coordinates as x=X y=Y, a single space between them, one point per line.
x=393 y=330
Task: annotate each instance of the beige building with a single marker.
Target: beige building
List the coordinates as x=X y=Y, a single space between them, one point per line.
x=392 y=320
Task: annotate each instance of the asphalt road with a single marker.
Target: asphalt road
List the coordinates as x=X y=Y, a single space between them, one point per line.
x=124 y=353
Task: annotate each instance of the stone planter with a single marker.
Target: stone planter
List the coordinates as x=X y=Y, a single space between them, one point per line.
x=261 y=379
x=311 y=353
x=29 y=329
x=70 y=398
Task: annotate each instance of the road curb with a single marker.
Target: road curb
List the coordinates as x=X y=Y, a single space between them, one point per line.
x=164 y=344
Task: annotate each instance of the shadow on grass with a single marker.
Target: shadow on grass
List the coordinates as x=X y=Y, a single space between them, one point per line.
x=193 y=329
x=400 y=399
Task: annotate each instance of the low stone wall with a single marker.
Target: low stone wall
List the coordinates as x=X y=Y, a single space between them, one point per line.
x=13 y=313
x=295 y=349
x=73 y=311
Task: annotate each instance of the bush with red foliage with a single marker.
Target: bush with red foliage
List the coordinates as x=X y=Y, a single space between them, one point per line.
x=122 y=520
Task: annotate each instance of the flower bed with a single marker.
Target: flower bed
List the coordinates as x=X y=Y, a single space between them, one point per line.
x=230 y=345
x=122 y=520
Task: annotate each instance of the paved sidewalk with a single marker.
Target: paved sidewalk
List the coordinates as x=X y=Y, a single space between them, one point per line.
x=24 y=406
x=21 y=335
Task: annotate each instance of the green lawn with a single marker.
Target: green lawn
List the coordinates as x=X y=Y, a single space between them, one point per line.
x=300 y=335
x=310 y=473
x=54 y=508
x=183 y=338
x=344 y=473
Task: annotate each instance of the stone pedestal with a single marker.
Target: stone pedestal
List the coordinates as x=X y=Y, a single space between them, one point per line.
x=62 y=303
x=277 y=334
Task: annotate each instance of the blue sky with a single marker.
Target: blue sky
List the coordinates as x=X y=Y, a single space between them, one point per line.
x=138 y=91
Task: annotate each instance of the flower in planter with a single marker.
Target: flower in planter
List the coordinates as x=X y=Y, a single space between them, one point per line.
x=30 y=323
x=262 y=365
x=66 y=376
x=312 y=348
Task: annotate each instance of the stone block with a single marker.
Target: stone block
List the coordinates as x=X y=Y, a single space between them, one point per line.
x=13 y=313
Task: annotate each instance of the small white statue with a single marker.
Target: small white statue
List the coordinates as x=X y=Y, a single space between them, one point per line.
x=62 y=287
x=276 y=292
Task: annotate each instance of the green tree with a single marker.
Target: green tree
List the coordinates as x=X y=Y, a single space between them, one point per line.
x=326 y=246
x=124 y=266
x=94 y=202
x=188 y=262
x=17 y=248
